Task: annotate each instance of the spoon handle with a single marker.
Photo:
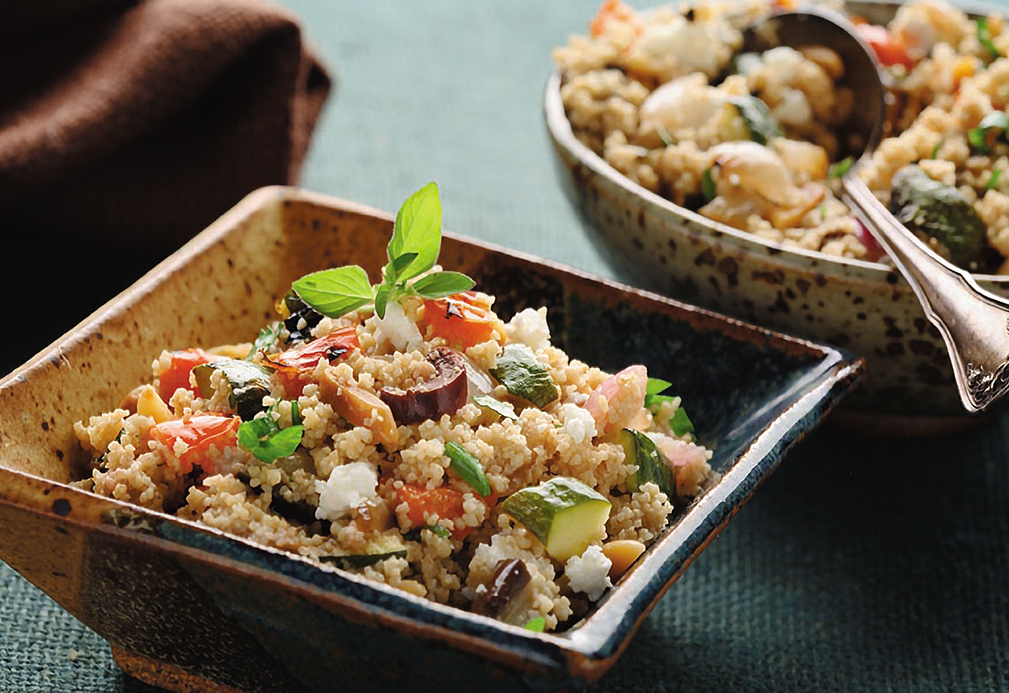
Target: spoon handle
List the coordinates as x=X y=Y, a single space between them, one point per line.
x=973 y=322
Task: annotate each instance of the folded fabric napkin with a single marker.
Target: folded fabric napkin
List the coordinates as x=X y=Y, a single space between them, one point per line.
x=136 y=124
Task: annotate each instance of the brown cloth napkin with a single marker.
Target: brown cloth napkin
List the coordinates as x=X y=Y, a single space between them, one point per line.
x=136 y=124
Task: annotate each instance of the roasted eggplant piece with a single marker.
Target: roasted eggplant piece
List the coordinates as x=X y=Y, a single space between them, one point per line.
x=442 y=394
x=507 y=597
x=249 y=383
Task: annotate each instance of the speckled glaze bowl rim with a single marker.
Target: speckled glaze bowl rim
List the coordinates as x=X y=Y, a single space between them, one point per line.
x=562 y=134
x=588 y=649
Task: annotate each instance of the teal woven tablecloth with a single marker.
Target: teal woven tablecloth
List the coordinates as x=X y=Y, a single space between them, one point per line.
x=863 y=564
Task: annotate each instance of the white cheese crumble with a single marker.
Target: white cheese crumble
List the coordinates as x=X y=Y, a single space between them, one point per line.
x=588 y=573
x=397 y=329
x=346 y=487
x=530 y=328
x=577 y=423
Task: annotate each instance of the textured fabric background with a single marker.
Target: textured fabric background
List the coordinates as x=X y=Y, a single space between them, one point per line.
x=863 y=564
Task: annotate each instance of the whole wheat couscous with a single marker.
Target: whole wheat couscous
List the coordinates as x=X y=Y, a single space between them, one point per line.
x=406 y=432
x=757 y=140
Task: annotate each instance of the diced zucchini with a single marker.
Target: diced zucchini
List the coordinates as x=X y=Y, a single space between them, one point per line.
x=249 y=384
x=564 y=513
x=386 y=546
x=652 y=465
x=524 y=376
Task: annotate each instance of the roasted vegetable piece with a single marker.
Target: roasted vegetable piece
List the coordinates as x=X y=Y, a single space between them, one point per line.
x=292 y=365
x=940 y=213
x=564 y=513
x=652 y=464
x=524 y=376
x=463 y=320
x=199 y=433
x=360 y=408
x=444 y=501
x=507 y=597
x=177 y=373
x=622 y=554
x=442 y=394
x=249 y=384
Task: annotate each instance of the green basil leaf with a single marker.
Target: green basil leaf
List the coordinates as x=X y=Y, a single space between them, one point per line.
x=295 y=412
x=382 y=299
x=335 y=292
x=936 y=148
x=524 y=376
x=418 y=230
x=266 y=442
x=656 y=385
x=536 y=625
x=264 y=340
x=993 y=179
x=441 y=284
x=681 y=423
x=396 y=267
x=503 y=409
x=468 y=468
x=984 y=37
x=840 y=168
x=708 y=185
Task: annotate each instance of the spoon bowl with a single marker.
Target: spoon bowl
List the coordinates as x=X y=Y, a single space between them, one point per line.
x=973 y=323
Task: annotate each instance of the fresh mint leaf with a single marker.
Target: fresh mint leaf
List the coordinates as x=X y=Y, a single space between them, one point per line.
x=441 y=284
x=266 y=441
x=503 y=409
x=264 y=340
x=468 y=468
x=396 y=267
x=681 y=423
x=335 y=292
x=418 y=230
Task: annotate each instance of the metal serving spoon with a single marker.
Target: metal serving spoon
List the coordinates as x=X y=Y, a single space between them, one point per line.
x=973 y=322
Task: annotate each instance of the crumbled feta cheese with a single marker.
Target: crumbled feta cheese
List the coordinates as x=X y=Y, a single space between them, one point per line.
x=577 y=423
x=588 y=573
x=530 y=328
x=347 y=486
x=397 y=329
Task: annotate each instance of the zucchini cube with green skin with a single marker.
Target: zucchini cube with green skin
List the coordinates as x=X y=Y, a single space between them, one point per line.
x=249 y=384
x=652 y=465
x=565 y=514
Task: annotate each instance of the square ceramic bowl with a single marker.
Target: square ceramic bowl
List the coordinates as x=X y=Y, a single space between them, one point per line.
x=188 y=608
x=866 y=307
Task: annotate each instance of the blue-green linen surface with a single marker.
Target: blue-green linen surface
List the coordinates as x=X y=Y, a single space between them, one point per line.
x=863 y=564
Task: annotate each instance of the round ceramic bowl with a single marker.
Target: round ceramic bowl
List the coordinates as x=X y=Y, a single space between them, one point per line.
x=865 y=307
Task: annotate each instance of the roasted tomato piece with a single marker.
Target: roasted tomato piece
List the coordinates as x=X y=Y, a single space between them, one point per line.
x=463 y=320
x=444 y=501
x=888 y=49
x=295 y=364
x=199 y=433
x=177 y=373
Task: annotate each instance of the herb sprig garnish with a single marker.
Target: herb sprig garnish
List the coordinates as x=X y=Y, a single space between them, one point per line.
x=412 y=251
x=266 y=440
